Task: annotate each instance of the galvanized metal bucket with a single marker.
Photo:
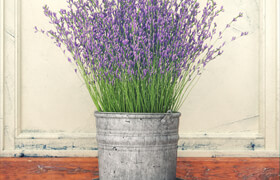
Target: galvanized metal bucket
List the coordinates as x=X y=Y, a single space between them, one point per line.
x=137 y=146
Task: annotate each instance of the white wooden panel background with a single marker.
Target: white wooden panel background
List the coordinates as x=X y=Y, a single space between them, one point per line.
x=46 y=110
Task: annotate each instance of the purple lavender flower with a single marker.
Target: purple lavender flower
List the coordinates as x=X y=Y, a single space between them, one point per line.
x=125 y=42
x=63 y=11
x=36 y=29
x=139 y=42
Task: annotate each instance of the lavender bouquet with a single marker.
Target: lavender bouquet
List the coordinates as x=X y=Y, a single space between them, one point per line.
x=139 y=55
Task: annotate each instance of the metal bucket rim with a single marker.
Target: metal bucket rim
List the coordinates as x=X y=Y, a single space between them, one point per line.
x=134 y=115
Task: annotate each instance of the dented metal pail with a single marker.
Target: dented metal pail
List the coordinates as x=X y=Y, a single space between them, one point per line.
x=137 y=146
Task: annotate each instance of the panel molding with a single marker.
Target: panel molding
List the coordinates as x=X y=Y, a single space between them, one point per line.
x=56 y=135
x=7 y=75
x=17 y=67
x=278 y=79
x=14 y=141
x=272 y=78
x=1 y=75
x=262 y=69
x=94 y=153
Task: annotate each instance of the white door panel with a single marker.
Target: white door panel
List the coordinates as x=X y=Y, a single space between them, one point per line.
x=46 y=109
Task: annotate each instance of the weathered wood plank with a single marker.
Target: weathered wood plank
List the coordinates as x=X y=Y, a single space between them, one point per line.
x=228 y=168
x=48 y=168
x=187 y=168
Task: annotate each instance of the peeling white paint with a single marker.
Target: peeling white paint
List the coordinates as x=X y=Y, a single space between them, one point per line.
x=221 y=143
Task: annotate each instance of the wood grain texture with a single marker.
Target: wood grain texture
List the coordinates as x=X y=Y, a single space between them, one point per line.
x=228 y=168
x=187 y=168
x=48 y=168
